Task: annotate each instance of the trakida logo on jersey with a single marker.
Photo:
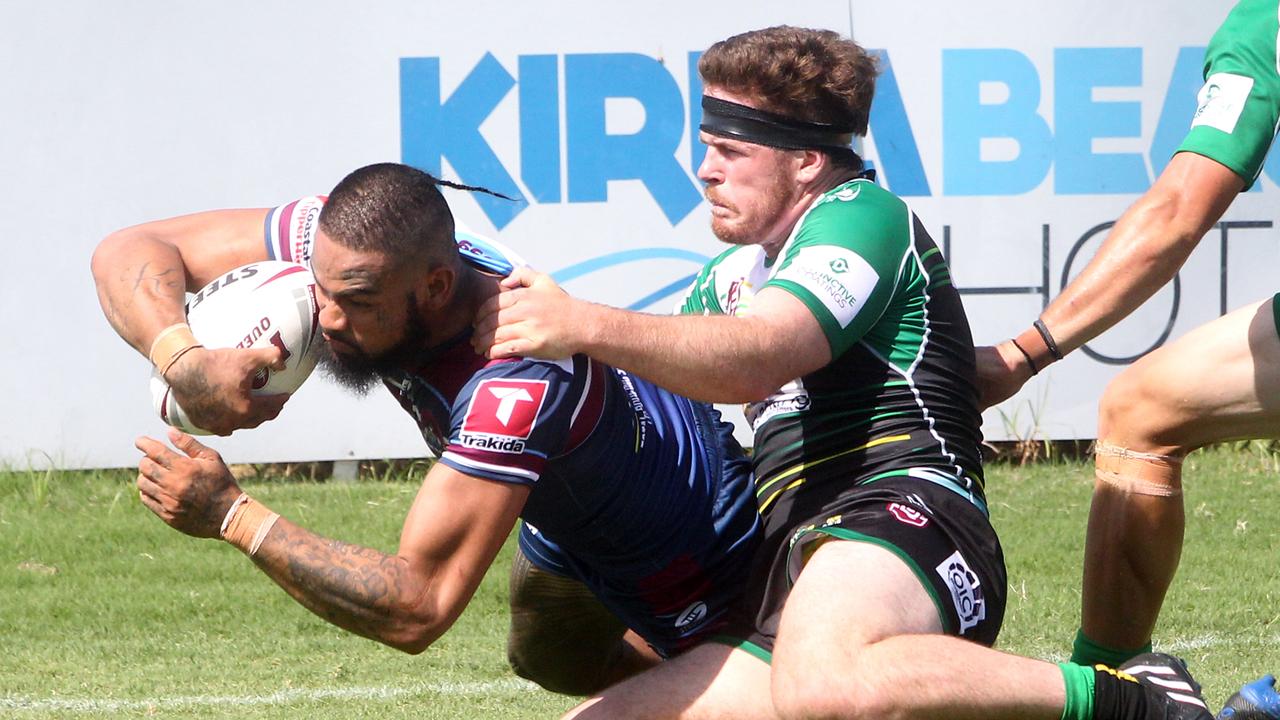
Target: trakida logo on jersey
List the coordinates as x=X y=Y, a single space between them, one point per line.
x=908 y=515
x=966 y=590
x=502 y=415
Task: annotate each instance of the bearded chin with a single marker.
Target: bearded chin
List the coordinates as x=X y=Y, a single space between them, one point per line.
x=751 y=218
x=357 y=375
x=730 y=233
x=360 y=373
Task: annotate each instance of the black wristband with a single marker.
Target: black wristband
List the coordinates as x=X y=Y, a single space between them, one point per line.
x=1031 y=363
x=1048 y=339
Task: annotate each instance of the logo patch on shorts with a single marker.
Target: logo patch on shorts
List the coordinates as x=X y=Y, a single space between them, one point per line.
x=908 y=515
x=502 y=414
x=1221 y=101
x=966 y=590
x=692 y=615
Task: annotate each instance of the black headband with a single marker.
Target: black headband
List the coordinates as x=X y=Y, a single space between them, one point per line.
x=742 y=122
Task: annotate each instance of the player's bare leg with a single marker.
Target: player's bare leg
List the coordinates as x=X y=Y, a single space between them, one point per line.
x=861 y=637
x=564 y=639
x=1219 y=382
x=709 y=682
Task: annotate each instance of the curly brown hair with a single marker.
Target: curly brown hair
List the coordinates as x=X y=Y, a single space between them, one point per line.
x=803 y=73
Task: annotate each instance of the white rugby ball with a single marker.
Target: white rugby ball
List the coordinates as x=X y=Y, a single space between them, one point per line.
x=255 y=306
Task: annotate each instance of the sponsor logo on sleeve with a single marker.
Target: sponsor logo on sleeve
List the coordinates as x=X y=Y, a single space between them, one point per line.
x=838 y=277
x=908 y=515
x=502 y=415
x=1222 y=100
x=305 y=221
x=966 y=590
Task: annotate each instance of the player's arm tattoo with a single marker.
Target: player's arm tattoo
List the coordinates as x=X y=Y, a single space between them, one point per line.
x=361 y=589
x=162 y=283
x=197 y=394
x=136 y=292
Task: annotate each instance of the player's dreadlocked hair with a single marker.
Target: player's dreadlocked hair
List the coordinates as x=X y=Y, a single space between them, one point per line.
x=806 y=74
x=396 y=210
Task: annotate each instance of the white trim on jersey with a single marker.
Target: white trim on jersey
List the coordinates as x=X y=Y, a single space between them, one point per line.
x=586 y=391
x=507 y=469
x=909 y=373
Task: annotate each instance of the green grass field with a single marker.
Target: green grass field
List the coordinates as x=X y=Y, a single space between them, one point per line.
x=104 y=610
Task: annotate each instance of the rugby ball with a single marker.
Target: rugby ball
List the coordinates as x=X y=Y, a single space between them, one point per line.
x=255 y=306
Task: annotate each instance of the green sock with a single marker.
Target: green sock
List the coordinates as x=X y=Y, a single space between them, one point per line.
x=1078 y=680
x=1087 y=652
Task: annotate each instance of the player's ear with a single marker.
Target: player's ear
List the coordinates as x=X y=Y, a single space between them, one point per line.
x=438 y=285
x=810 y=165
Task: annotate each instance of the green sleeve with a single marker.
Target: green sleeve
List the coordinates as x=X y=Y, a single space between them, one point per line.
x=703 y=298
x=1239 y=105
x=844 y=260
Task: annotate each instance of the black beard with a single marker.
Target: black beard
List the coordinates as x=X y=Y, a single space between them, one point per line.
x=359 y=373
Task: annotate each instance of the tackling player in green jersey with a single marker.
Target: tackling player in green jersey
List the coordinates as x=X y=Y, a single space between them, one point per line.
x=835 y=317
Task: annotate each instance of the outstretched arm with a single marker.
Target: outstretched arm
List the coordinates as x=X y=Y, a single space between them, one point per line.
x=142 y=274
x=1142 y=253
x=407 y=600
x=715 y=358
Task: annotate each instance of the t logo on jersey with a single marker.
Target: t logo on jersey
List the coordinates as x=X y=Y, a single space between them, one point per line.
x=505 y=408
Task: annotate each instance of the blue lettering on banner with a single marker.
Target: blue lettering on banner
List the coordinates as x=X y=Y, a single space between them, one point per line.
x=432 y=130
x=1078 y=119
x=648 y=155
x=540 y=126
x=966 y=121
x=436 y=127
x=1179 y=106
x=697 y=150
x=896 y=144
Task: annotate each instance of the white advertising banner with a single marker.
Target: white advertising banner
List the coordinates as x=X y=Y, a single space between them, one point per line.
x=1018 y=131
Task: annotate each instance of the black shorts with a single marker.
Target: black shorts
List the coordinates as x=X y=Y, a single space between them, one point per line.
x=942 y=536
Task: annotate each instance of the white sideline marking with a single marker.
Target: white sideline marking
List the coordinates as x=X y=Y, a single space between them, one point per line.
x=1180 y=645
x=276 y=698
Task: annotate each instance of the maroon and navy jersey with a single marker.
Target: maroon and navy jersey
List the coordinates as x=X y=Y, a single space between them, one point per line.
x=641 y=494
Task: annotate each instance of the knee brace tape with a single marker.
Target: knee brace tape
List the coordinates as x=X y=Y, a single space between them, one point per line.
x=1138 y=473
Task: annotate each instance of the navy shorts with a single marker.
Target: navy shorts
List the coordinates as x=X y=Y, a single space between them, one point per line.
x=680 y=594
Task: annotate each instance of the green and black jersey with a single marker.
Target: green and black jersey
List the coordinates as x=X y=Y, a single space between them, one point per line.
x=899 y=396
x=1239 y=105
